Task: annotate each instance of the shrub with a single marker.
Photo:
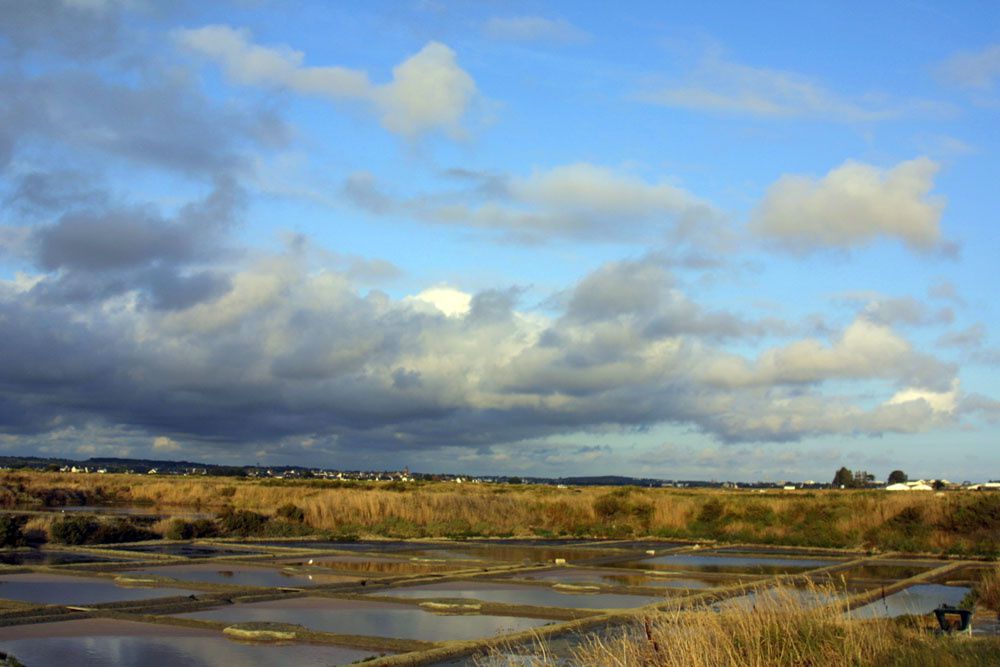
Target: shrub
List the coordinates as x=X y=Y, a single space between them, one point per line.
x=988 y=590
x=982 y=514
x=179 y=529
x=121 y=530
x=243 y=523
x=87 y=530
x=7 y=660
x=73 y=529
x=203 y=528
x=711 y=512
x=621 y=512
x=63 y=497
x=12 y=531
x=909 y=522
x=291 y=512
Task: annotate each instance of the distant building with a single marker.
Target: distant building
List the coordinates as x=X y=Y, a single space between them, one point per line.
x=918 y=485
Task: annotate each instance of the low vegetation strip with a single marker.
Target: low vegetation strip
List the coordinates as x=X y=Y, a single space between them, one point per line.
x=954 y=522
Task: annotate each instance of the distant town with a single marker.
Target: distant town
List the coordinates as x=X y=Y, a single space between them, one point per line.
x=842 y=479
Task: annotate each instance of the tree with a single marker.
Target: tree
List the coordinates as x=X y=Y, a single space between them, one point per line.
x=897 y=477
x=844 y=477
x=862 y=478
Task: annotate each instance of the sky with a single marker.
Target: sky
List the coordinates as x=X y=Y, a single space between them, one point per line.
x=732 y=241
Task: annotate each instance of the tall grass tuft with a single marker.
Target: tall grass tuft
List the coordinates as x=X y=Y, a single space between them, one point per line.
x=782 y=630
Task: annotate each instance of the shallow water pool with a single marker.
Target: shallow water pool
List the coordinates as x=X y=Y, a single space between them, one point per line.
x=59 y=589
x=377 y=619
x=514 y=594
x=100 y=642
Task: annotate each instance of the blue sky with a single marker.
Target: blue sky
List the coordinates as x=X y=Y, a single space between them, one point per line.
x=729 y=241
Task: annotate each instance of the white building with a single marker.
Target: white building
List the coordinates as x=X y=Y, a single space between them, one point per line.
x=919 y=485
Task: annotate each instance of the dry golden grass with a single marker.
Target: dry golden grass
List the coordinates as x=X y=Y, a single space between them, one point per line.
x=781 y=632
x=988 y=590
x=911 y=522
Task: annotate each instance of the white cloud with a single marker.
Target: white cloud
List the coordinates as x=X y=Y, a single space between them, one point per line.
x=447 y=300
x=429 y=91
x=534 y=29
x=718 y=85
x=580 y=200
x=939 y=401
x=865 y=350
x=293 y=352
x=978 y=70
x=853 y=205
x=164 y=444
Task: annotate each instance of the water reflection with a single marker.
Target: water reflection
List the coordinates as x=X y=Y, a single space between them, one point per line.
x=920 y=599
x=40 y=557
x=521 y=595
x=513 y=554
x=795 y=597
x=594 y=576
x=379 y=619
x=236 y=575
x=884 y=571
x=58 y=589
x=97 y=643
x=372 y=565
x=188 y=550
x=732 y=564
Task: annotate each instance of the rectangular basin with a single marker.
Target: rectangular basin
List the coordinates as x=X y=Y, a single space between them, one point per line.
x=239 y=575
x=67 y=590
x=102 y=642
x=362 y=617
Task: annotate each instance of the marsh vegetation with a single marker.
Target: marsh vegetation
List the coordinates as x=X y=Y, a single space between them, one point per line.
x=956 y=522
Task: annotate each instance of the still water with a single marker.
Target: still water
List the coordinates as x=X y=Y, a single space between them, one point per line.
x=238 y=575
x=920 y=599
x=513 y=594
x=572 y=575
x=58 y=589
x=99 y=642
x=44 y=557
x=360 y=617
x=731 y=564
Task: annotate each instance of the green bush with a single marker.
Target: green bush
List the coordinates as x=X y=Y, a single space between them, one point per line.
x=87 y=530
x=291 y=512
x=121 y=530
x=981 y=514
x=909 y=522
x=711 y=512
x=12 y=531
x=243 y=523
x=623 y=512
x=7 y=660
x=179 y=529
x=73 y=529
x=285 y=529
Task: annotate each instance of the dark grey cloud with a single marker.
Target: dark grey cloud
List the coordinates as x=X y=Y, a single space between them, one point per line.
x=289 y=352
x=163 y=122
x=44 y=192
x=71 y=29
x=98 y=252
x=973 y=342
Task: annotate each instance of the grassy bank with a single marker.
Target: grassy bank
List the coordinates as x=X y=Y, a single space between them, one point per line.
x=780 y=633
x=954 y=522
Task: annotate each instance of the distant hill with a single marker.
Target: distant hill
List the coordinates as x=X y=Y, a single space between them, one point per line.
x=607 y=480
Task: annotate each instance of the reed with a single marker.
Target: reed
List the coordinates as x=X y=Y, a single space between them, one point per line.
x=954 y=522
x=781 y=631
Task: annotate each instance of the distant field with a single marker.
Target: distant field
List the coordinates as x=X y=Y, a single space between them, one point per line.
x=956 y=522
